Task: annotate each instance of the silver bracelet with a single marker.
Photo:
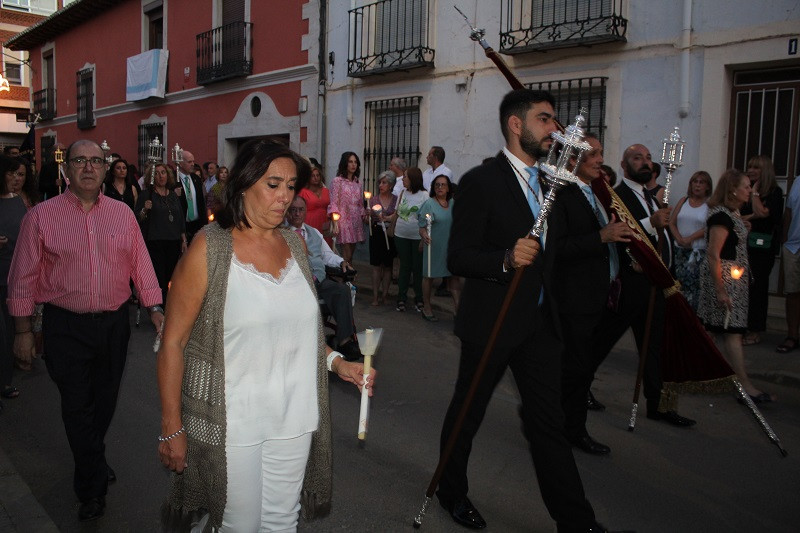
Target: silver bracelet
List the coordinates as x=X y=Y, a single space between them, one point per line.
x=331 y=356
x=165 y=439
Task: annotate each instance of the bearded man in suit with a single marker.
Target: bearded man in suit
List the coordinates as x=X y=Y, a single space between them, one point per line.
x=494 y=210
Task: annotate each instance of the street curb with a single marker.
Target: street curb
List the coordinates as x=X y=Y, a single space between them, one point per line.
x=19 y=510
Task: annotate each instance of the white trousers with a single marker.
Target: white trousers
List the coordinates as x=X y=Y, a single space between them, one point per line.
x=264 y=484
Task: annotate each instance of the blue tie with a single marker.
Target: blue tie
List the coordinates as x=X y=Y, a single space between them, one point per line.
x=613 y=257
x=533 y=191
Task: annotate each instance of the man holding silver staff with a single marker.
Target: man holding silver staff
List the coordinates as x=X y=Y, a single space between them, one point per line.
x=632 y=309
x=496 y=207
x=584 y=240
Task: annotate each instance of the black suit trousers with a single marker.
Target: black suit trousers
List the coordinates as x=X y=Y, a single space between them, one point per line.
x=536 y=366
x=85 y=357
x=579 y=366
x=632 y=313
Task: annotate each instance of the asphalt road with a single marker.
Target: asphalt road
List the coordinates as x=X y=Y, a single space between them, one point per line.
x=723 y=474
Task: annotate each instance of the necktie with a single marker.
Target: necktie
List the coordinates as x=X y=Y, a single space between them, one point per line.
x=533 y=202
x=299 y=231
x=666 y=248
x=613 y=257
x=190 y=214
x=648 y=199
x=533 y=190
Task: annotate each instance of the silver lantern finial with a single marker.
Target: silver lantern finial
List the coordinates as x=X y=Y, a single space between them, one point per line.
x=566 y=150
x=672 y=157
x=177 y=154
x=154 y=151
x=106 y=151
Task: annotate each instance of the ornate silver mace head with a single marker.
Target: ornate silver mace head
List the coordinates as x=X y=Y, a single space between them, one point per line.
x=672 y=157
x=177 y=154
x=154 y=150
x=106 y=151
x=566 y=151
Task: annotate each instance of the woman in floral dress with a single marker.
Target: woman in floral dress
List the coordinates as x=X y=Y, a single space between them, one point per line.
x=347 y=199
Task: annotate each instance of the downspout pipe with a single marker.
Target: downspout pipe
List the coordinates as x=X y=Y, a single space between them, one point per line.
x=686 y=45
x=322 y=80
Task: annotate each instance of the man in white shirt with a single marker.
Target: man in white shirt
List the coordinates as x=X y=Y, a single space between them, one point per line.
x=436 y=160
x=398 y=166
x=336 y=295
x=210 y=169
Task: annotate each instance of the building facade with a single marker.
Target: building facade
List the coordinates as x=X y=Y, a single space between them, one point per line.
x=206 y=75
x=726 y=72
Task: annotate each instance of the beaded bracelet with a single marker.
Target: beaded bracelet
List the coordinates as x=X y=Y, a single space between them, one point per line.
x=165 y=439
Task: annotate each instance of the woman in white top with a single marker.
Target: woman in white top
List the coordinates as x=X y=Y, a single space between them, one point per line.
x=688 y=226
x=407 y=239
x=268 y=372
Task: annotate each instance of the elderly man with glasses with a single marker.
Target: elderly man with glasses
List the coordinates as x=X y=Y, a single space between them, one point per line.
x=77 y=254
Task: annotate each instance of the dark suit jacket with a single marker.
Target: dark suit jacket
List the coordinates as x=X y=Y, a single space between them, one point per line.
x=193 y=227
x=631 y=201
x=581 y=258
x=490 y=213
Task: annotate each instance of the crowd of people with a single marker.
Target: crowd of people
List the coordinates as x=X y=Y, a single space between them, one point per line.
x=219 y=248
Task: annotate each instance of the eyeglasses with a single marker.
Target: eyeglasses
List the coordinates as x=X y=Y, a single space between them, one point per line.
x=438 y=185
x=80 y=161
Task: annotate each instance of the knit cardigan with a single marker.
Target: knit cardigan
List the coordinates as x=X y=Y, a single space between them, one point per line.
x=202 y=487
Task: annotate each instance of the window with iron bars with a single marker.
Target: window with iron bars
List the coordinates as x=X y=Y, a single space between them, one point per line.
x=148 y=132
x=85 y=82
x=571 y=95
x=391 y=130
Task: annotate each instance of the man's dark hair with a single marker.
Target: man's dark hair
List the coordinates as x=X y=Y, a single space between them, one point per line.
x=518 y=102
x=438 y=153
x=7 y=149
x=252 y=162
x=206 y=164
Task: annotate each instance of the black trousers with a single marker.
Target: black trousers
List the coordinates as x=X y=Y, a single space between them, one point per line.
x=578 y=367
x=632 y=313
x=761 y=262
x=164 y=255
x=6 y=340
x=536 y=366
x=338 y=299
x=85 y=357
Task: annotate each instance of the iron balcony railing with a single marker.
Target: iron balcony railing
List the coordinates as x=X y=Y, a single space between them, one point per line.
x=225 y=52
x=44 y=103
x=388 y=36
x=536 y=25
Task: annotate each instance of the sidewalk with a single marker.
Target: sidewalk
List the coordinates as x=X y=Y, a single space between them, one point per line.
x=19 y=510
x=763 y=362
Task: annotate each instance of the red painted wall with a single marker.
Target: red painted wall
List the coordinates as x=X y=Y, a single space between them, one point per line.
x=108 y=39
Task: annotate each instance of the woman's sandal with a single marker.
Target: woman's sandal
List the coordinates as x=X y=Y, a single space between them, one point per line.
x=764 y=397
x=430 y=318
x=9 y=393
x=788 y=344
x=750 y=339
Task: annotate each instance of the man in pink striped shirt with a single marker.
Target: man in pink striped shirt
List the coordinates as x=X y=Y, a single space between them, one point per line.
x=77 y=253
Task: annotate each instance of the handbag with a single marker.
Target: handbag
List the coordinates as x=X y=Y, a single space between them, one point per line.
x=759 y=240
x=390 y=229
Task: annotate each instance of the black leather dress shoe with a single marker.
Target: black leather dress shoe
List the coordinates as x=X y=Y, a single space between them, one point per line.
x=589 y=445
x=112 y=476
x=464 y=513
x=671 y=417
x=92 y=509
x=592 y=404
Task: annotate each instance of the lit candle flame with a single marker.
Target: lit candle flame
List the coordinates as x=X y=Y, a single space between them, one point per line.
x=377 y=208
x=736 y=272
x=367 y=195
x=211 y=217
x=335 y=216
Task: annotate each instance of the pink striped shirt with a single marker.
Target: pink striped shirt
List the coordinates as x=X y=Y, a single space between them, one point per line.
x=80 y=261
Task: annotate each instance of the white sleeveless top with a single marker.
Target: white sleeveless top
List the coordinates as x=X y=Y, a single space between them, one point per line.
x=691 y=219
x=270 y=355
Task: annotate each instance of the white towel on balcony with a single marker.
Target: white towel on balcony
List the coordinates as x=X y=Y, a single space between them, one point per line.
x=147 y=75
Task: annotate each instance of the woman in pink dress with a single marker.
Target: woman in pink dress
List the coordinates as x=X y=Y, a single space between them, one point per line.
x=347 y=199
x=317 y=198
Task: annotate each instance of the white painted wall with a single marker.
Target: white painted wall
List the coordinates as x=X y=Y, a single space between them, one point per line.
x=643 y=97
